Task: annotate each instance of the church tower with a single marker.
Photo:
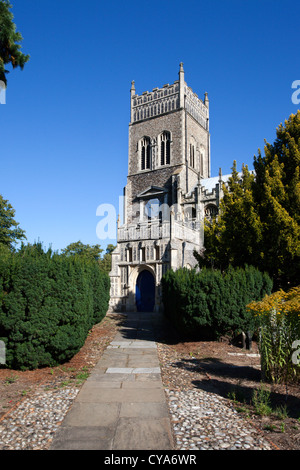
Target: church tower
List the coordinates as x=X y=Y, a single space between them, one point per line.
x=169 y=157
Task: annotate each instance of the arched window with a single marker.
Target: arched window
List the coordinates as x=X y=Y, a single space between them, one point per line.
x=189 y=213
x=201 y=163
x=192 y=156
x=165 y=148
x=211 y=211
x=145 y=154
x=152 y=209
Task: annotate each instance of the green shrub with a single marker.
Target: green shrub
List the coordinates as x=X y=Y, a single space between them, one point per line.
x=209 y=303
x=48 y=303
x=261 y=401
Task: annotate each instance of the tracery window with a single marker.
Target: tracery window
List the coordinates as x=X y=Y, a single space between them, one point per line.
x=201 y=163
x=192 y=156
x=211 y=211
x=165 y=148
x=145 y=154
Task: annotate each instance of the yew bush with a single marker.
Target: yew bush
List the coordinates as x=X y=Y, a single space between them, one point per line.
x=48 y=304
x=211 y=303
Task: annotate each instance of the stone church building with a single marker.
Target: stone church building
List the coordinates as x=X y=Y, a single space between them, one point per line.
x=168 y=194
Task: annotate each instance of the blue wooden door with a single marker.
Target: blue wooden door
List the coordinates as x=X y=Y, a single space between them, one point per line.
x=145 y=292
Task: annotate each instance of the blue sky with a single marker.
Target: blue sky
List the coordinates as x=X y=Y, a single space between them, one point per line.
x=64 y=128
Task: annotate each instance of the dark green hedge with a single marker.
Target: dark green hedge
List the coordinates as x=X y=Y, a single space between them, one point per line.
x=209 y=303
x=48 y=304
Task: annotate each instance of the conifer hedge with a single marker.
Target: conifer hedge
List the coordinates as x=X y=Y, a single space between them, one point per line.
x=211 y=303
x=48 y=303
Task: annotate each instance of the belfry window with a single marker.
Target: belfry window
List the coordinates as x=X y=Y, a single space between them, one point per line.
x=145 y=154
x=165 y=148
x=201 y=164
x=192 y=156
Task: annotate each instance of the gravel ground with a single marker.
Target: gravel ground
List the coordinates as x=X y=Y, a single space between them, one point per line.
x=29 y=421
x=201 y=419
x=205 y=421
x=32 y=424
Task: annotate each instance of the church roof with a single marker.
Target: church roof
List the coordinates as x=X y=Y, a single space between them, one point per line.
x=210 y=183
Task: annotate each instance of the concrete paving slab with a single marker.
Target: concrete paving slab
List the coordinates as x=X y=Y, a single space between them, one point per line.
x=118 y=352
x=153 y=383
x=114 y=362
x=83 y=438
x=147 y=377
x=144 y=410
x=146 y=370
x=111 y=377
x=92 y=414
x=132 y=344
x=122 y=405
x=142 y=434
x=119 y=370
x=133 y=370
x=119 y=344
x=110 y=384
x=142 y=361
x=93 y=394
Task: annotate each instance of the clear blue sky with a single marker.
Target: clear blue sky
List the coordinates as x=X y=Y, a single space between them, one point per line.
x=64 y=128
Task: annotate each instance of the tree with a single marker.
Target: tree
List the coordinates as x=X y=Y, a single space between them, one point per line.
x=286 y=150
x=105 y=262
x=281 y=232
x=92 y=252
x=259 y=220
x=277 y=195
x=234 y=237
x=10 y=232
x=10 y=52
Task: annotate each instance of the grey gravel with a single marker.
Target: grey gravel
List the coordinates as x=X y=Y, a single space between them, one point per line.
x=32 y=425
x=205 y=421
x=200 y=420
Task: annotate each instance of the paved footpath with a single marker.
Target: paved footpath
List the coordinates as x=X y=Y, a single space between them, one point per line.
x=122 y=405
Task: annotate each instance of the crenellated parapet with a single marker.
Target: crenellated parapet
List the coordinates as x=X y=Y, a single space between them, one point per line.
x=167 y=99
x=196 y=108
x=151 y=104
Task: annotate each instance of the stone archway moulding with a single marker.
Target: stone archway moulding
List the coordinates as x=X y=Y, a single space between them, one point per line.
x=132 y=279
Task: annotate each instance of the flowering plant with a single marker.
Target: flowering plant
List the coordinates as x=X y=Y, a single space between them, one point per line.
x=278 y=317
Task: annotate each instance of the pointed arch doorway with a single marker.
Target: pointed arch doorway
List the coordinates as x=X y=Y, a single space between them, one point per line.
x=145 y=292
